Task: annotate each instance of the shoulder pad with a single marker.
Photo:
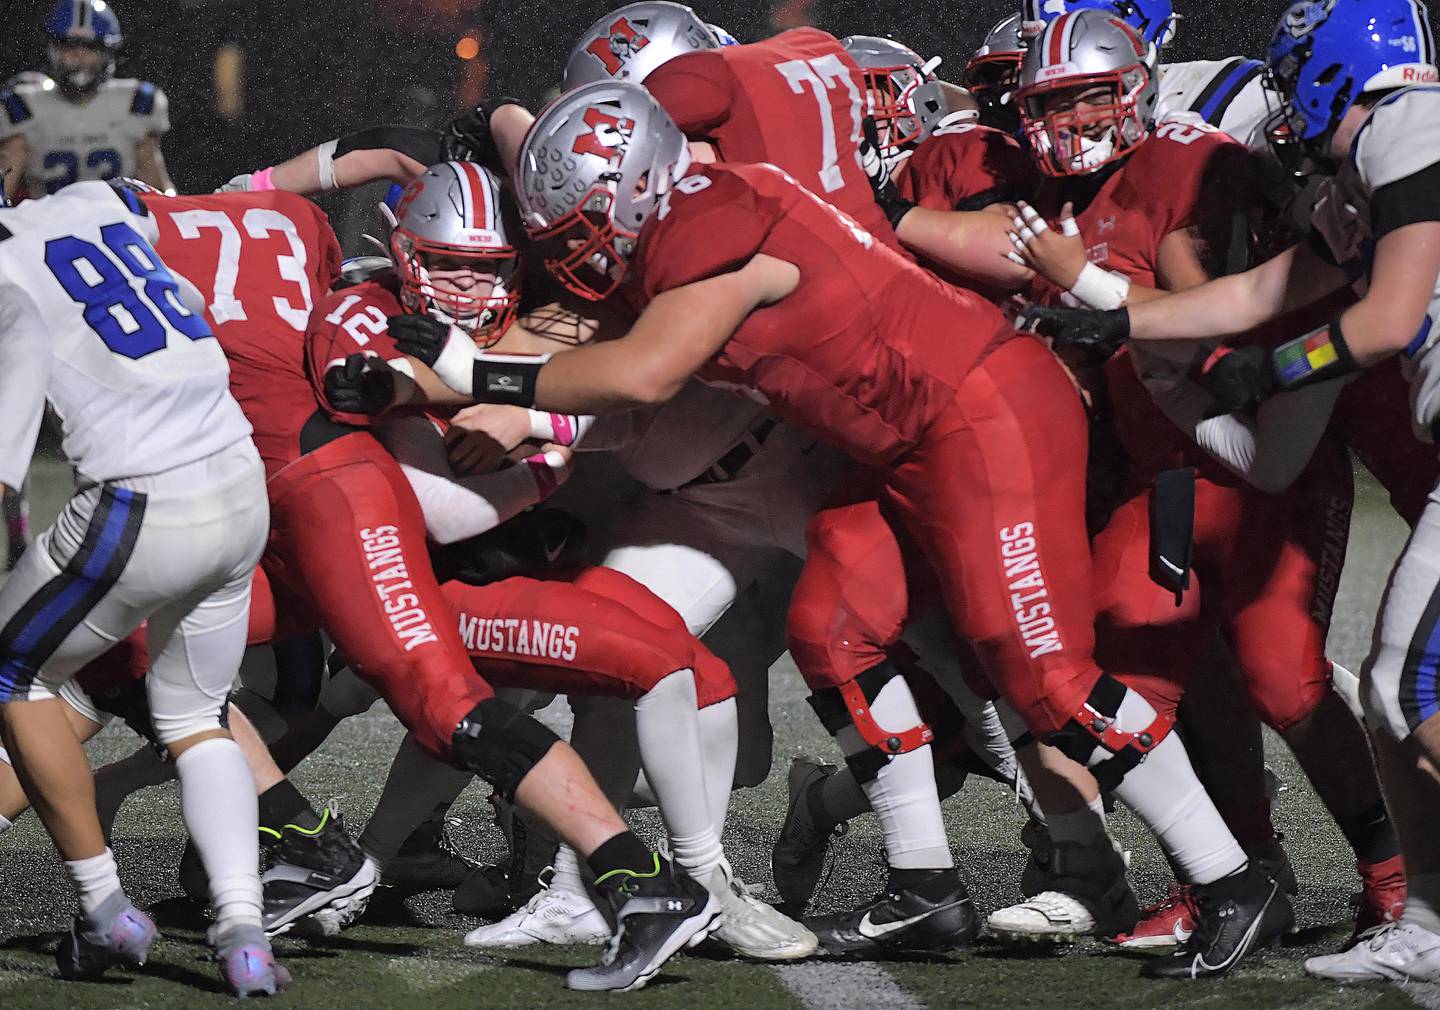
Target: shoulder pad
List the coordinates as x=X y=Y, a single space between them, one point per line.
x=16 y=108
x=143 y=104
x=1400 y=137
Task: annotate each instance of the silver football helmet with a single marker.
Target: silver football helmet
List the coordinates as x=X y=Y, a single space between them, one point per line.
x=1073 y=128
x=453 y=217
x=596 y=164
x=993 y=72
x=894 y=76
x=629 y=43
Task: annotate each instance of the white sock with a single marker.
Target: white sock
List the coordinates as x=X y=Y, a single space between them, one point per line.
x=217 y=798
x=566 y=878
x=720 y=738
x=1165 y=794
x=95 y=880
x=669 y=731
x=5 y=825
x=903 y=794
x=1079 y=826
x=1422 y=900
x=416 y=785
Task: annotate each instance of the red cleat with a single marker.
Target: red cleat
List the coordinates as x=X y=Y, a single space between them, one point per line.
x=1166 y=924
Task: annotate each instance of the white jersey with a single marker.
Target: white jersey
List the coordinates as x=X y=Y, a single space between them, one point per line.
x=1229 y=94
x=70 y=142
x=138 y=381
x=1390 y=180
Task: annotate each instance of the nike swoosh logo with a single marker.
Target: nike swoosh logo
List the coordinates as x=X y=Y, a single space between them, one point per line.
x=875 y=930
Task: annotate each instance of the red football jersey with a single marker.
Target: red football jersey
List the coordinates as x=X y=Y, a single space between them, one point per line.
x=350 y=321
x=261 y=261
x=865 y=353
x=958 y=163
x=795 y=100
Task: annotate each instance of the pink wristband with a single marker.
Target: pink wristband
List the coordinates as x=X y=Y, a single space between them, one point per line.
x=546 y=481
x=260 y=181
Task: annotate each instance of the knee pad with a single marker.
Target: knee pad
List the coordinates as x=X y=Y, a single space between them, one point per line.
x=1096 y=724
x=848 y=705
x=501 y=744
x=172 y=728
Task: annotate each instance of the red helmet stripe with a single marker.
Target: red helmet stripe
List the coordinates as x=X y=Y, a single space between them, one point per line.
x=482 y=200
x=1059 y=39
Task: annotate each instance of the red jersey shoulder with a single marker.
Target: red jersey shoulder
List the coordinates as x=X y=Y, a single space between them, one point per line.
x=695 y=89
x=959 y=163
x=713 y=222
x=1186 y=170
x=802 y=43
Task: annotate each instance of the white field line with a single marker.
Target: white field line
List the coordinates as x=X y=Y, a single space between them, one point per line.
x=832 y=985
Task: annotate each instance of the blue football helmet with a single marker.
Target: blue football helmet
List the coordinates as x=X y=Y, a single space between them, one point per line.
x=1325 y=54
x=92 y=24
x=1153 y=20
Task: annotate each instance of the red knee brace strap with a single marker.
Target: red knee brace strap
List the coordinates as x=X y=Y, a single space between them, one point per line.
x=858 y=707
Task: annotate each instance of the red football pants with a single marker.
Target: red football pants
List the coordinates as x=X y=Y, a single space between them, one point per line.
x=347 y=532
x=1266 y=568
x=993 y=503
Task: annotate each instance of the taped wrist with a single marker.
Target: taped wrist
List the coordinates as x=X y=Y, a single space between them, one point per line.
x=848 y=705
x=506 y=378
x=1094 y=725
x=1318 y=356
x=1101 y=289
x=325 y=163
x=501 y=744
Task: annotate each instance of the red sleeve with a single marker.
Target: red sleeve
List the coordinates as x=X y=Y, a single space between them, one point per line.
x=710 y=230
x=962 y=163
x=345 y=322
x=695 y=89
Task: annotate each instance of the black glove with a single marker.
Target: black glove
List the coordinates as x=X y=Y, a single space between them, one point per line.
x=362 y=384
x=1239 y=380
x=881 y=185
x=419 y=336
x=1099 y=331
x=468 y=137
x=532 y=543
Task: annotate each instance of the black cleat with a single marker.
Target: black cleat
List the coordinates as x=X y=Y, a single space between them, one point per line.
x=655 y=915
x=798 y=858
x=429 y=860
x=900 y=920
x=317 y=872
x=1240 y=913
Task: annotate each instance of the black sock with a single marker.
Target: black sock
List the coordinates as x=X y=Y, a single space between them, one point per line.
x=1371 y=834
x=282 y=804
x=814 y=800
x=624 y=853
x=929 y=884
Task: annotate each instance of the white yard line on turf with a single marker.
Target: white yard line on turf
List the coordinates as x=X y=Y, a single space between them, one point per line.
x=1427 y=994
x=821 y=985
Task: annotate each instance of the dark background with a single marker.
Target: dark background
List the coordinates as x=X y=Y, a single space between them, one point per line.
x=315 y=70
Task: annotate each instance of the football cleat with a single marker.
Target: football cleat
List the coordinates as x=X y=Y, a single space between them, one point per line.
x=900 y=920
x=656 y=914
x=1243 y=912
x=1400 y=951
x=429 y=860
x=118 y=933
x=798 y=859
x=318 y=872
x=1086 y=893
x=1167 y=923
x=752 y=928
x=484 y=893
x=247 y=964
x=1382 y=898
x=550 y=916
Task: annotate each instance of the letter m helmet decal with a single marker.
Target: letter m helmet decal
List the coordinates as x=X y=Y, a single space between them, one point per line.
x=608 y=137
x=616 y=49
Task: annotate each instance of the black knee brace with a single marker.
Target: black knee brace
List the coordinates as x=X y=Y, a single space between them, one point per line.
x=1093 y=725
x=849 y=705
x=501 y=744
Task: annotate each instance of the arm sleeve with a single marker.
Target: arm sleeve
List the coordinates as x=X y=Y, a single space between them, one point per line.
x=158 y=121
x=425 y=146
x=695 y=90
x=24 y=372
x=455 y=508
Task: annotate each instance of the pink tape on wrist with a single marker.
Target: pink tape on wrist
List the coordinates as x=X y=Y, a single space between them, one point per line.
x=260 y=181
x=564 y=430
x=546 y=482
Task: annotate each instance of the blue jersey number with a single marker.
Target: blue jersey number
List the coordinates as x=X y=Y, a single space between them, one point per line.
x=106 y=159
x=113 y=309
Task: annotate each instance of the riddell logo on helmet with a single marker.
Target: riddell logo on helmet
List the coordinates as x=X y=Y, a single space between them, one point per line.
x=1420 y=75
x=608 y=135
x=479 y=238
x=617 y=48
x=1057 y=70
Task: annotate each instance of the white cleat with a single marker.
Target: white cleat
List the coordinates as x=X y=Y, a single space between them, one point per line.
x=754 y=929
x=551 y=916
x=1399 y=951
x=1048 y=917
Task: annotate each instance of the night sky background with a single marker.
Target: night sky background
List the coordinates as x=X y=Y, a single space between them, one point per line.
x=315 y=70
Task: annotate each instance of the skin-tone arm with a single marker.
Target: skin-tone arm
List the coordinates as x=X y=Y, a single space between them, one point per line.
x=508 y=125
x=301 y=174
x=678 y=332
x=971 y=243
x=150 y=165
x=14 y=152
x=1402 y=284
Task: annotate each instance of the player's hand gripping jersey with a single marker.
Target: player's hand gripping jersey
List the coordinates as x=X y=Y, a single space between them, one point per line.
x=795 y=101
x=136 y=377
x=261 y=261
